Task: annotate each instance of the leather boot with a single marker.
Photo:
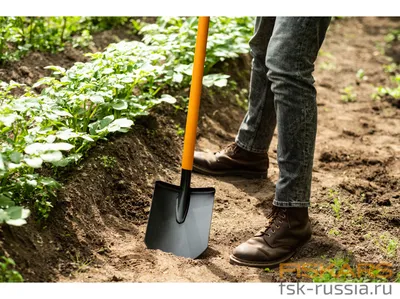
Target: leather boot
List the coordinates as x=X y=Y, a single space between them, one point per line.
x=232 y=161
x=287 y=230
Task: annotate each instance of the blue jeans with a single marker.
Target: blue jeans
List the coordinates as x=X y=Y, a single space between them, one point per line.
x=282 y=93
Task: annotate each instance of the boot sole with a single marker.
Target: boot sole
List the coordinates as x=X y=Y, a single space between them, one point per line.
x=241 y=173
x=236 y=261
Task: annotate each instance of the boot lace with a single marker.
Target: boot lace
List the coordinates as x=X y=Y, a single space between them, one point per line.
x=274 y=219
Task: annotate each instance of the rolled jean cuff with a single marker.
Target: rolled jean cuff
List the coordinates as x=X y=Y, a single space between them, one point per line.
x=291 y=204
x=245 y=147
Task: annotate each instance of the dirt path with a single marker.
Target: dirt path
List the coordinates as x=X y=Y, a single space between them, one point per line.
x=103 y=210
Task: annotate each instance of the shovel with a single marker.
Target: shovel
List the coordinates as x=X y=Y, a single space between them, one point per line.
x=180 y=216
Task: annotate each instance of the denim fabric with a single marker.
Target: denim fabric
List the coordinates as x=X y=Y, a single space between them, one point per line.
x=282 y=94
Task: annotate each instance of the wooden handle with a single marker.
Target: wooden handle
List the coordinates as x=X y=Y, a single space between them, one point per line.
x=195 y=93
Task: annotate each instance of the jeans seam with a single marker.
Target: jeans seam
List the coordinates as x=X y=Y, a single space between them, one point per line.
x=291 y=203
x=243 y=146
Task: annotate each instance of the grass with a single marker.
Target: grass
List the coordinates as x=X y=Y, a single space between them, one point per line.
x=81 y=264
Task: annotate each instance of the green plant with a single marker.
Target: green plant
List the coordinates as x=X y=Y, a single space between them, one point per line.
x=91 y=100
x=390 y=68
x=336 y=205
x=19 y=35
x=179 y=130
x=108 y=161
x=393 y=35
x=327 y=66
x=8 y=272
x=388 y=244
x=348 y=94
x=81 y=264
x=334 y=232
x=392 y=93
x=361 y=75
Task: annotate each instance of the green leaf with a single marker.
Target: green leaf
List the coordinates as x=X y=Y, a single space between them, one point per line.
x=14 y=212
x=177 y=77
x=123 y=122
x=106 y=121
x=16 y=157
x=17 y=216
x=16 y=222
x=97 y=99
x=34 y=162
x=6 y=202
x=9 y=119
x=52 y=156
x=215 y=79
x=14 y=166
x=49 y=182
x=120 y=105
x=66 y=134
x=56 y=69
x=2 y=166
x=37 y=148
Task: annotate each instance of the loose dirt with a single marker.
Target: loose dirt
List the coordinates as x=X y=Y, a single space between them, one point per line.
x=96 y=230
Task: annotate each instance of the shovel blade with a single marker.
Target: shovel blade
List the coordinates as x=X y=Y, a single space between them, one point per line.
x=188 y=239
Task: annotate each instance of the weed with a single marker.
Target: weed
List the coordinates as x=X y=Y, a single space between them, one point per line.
x=179 y=130
x=393 y=35
x=323 y=53
x=387 y=244
x=336 y=206
x=80 y=264
x=334 y=232
x=327 y=66
x=348 y=95
x=390 y=68
x=268 y=270
x=389 y=92
x=361 y=75
x=359 y=220
x=108 y=161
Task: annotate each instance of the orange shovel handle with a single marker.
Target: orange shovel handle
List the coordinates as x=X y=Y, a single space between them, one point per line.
x=195 y=93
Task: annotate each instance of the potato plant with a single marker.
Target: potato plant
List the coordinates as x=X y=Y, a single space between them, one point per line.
x=18 y=35
x=91 y=100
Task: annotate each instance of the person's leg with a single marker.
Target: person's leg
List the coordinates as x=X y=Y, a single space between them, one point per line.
x=256 y=131
x=291 y=54
x=247 y=156
x=290 y=59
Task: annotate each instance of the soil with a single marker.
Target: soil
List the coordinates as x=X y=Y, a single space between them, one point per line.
x=97 y=227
